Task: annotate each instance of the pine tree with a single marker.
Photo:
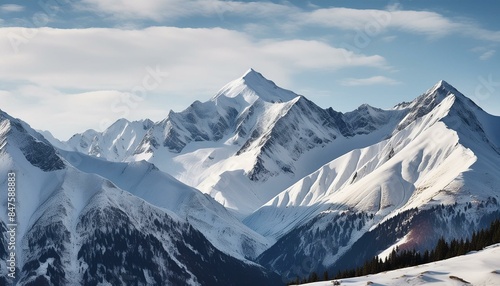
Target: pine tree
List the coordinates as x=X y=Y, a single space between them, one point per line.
x=441 y=250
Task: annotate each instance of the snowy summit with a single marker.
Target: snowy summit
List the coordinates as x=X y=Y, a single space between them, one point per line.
x=252 y=86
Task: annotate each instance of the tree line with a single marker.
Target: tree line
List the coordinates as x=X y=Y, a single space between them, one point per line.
x=405 y=258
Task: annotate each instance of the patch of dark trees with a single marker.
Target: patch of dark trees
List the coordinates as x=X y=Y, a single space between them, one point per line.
x=406 y=258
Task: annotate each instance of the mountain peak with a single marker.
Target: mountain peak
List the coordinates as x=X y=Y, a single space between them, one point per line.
x=366 y=106
x=426 y=102
x=35 y=148
x=444 y=87
x=251 y=72
x=252 y=86
x=443 y=83
x=253 y=76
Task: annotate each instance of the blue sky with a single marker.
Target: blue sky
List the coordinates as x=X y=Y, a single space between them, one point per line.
x=68 y=65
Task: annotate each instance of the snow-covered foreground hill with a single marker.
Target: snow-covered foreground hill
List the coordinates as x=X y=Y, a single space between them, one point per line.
x=478 y=268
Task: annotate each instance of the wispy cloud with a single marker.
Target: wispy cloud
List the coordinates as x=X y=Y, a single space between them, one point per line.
x=421 y=22
x=377 y=21
x=11 y=8
x=476 y=32
x=484 y=52
x=389 y=39
x=374 y=80
x=164 y=10
x=290 y=17
x=487 y=55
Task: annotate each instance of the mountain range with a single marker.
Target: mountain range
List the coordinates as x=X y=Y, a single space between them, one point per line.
x=256 y=185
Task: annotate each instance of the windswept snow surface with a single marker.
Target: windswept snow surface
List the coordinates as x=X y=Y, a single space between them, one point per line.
x=477 y=268
x=144 y=180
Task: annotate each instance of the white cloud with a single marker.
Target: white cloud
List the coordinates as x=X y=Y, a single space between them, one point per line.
x=290 y=18
x=374 y=80
x=93 y=59
x=487 y=55
x=374 y=22
x=313 y=55
x=55 y=110
x=4 y=95
x=11 y=8
x=389 y=39
x=476 y=32
x=64 y=114
x=345 y=18
x=161 y=10
x=484 y=52
x=79 y=73
x=147 y=9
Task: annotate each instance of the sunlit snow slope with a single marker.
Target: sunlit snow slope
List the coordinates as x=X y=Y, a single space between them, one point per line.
x=247 y=143
x=477 y=268
x=443 y=152
x=79 y=228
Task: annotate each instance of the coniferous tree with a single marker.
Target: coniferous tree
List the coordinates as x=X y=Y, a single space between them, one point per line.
x=441 y=250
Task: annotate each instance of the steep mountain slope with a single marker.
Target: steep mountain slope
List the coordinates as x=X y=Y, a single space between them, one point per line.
x=477 y=268
x=438 y=154
x=249 y=133
x=383 y=163
x=116 y=143
x=144 y=180
x=77 y=228
x=253 y=139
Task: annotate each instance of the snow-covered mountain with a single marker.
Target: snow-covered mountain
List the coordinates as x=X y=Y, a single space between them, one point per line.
x=445 y=151
x=476 y=268
x=287 y=184
x=147 y=182
x=248 y=142
x=248 y=138
x=79 y=228
x=116 y=143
